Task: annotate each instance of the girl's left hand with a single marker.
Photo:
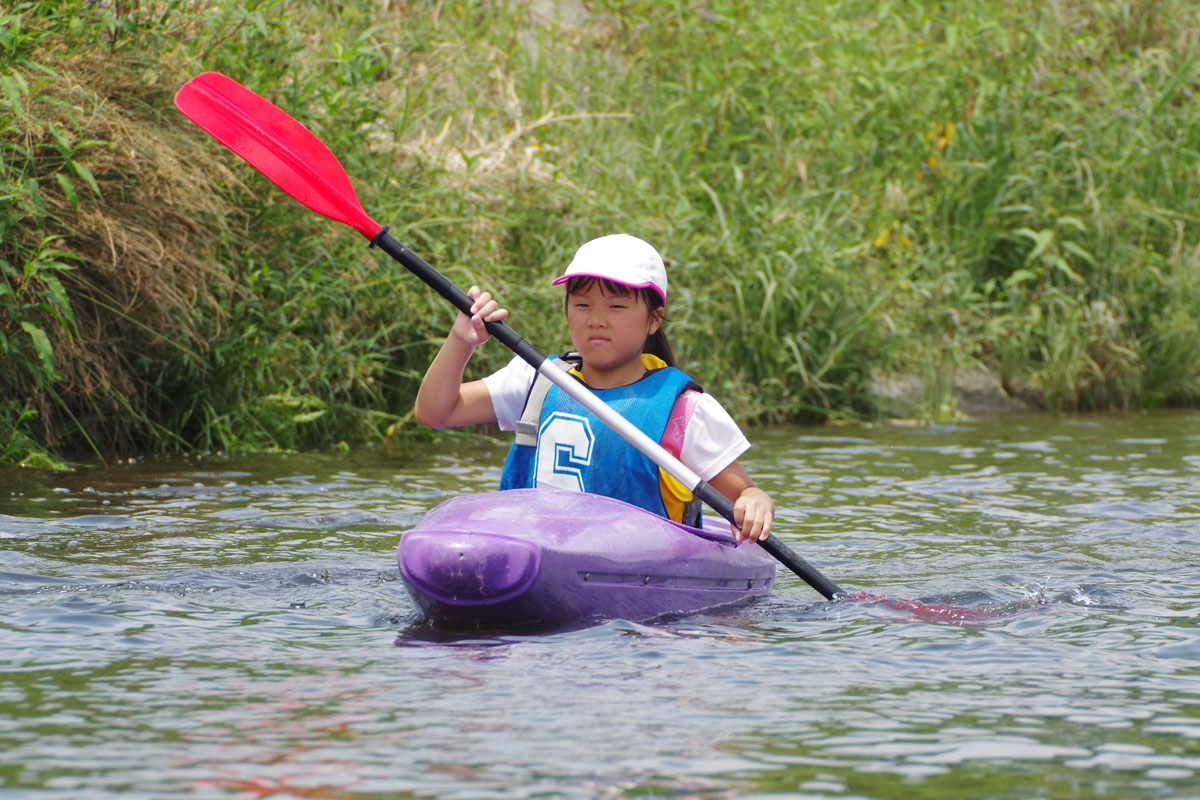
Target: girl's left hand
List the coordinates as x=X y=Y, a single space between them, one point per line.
x=752 y=514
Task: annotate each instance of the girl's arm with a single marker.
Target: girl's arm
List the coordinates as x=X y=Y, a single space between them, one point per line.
x=444 y=401
x=753 y=509
x=713 y=439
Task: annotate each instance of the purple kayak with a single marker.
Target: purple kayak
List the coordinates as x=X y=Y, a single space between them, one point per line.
x=527 y=556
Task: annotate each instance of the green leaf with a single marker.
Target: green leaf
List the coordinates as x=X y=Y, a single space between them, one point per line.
x=58 y=295
x=260 y=23
x=12 y=94
x=1041 y=240
x=86 y=174
x=1079 y=252
x=33 y=197
x=68 y=188
x=36 y=459
x=1067 y=221
x=41 y=345
x=1062 y=266
x=60 y=140
x=1176 y=80
x=1020 y=276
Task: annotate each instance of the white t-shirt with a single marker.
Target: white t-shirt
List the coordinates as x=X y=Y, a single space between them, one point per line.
x=711 y=442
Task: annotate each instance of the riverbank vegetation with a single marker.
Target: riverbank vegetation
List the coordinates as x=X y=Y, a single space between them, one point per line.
x=841 y=190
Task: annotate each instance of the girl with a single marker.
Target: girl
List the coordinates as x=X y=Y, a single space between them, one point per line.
x=616 y=296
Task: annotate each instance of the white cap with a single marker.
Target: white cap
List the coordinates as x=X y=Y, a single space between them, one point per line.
x=622 y=259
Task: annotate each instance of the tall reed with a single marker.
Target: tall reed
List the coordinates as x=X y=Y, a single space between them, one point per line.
x=840 y=189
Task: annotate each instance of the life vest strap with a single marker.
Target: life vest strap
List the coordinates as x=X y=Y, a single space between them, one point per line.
x=527 y=425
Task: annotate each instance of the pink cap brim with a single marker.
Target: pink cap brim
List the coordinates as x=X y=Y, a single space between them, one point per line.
x=647 y=285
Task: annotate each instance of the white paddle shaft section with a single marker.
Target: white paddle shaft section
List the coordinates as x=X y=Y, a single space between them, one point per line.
x=556 y=372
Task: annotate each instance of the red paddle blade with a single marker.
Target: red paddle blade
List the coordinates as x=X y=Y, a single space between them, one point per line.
x=276 y=145
x=936 y=612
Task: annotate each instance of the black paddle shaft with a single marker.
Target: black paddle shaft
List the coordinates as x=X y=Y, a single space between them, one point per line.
x=780 y=551
x=456 y=296
x=532 y=356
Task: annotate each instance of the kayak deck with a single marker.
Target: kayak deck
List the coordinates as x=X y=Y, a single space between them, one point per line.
x=532 y=556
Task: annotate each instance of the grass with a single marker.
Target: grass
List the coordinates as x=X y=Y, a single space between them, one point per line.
x=839 y=188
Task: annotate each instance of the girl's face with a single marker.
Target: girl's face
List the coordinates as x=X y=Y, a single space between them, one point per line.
x=609 y=328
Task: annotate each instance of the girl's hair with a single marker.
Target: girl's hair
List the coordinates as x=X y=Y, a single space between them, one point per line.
x=657 y=343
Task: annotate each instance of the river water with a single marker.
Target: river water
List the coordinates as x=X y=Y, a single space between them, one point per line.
x=233 y=627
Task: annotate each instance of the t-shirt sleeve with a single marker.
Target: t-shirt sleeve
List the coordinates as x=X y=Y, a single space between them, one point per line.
x=508 y=387
x=712 y=440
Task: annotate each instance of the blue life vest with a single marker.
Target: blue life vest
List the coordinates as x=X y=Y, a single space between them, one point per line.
x=576 y=451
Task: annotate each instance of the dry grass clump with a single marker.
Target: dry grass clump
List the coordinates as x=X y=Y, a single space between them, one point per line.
x=477 y=149
x=141 y=237
x=479 y=140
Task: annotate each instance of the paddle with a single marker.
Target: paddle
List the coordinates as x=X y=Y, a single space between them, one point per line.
x=296 y=161
x=299 y=163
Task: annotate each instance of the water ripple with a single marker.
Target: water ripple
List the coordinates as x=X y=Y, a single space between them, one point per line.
x=226 y=626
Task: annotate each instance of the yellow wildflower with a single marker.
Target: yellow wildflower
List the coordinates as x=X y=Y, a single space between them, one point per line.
x=947 y=136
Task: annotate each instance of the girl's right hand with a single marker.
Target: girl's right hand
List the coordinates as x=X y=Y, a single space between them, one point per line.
x=470 y=329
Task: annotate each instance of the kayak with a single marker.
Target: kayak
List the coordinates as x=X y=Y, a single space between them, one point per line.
x=547 y=556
